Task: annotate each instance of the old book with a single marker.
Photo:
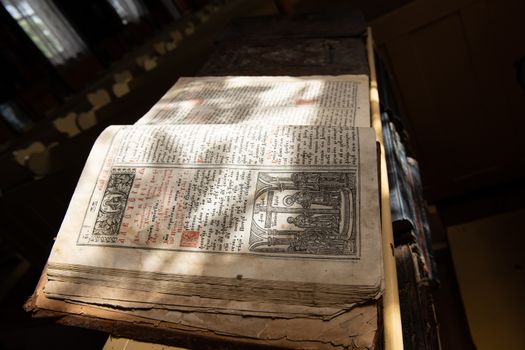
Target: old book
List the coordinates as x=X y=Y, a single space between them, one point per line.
x=408 y=207
x=313 y=100
x=288 y=56
x=415 y=296
x=304 y=26
x=237 y=224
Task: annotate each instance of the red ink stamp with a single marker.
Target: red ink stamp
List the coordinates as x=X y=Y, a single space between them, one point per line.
x=189 y=239
x=304 y=102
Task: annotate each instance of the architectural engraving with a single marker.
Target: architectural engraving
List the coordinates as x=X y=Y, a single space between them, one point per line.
x=305 y=213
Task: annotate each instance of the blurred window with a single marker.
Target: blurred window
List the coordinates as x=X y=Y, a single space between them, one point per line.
x=47 y=28
x=129 y=10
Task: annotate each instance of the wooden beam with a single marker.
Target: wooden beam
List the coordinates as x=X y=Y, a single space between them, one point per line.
x=393 y=335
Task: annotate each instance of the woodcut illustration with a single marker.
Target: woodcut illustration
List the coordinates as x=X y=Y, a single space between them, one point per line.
x=305 y=213
x=113 y=202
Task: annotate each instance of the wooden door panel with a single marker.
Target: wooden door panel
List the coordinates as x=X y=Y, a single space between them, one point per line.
x=454 y=67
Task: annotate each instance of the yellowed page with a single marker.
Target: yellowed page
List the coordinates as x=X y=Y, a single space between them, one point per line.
x=312 y=100
x=276 y=203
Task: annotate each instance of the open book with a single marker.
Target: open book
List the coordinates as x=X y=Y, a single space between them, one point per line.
x=241 y=206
